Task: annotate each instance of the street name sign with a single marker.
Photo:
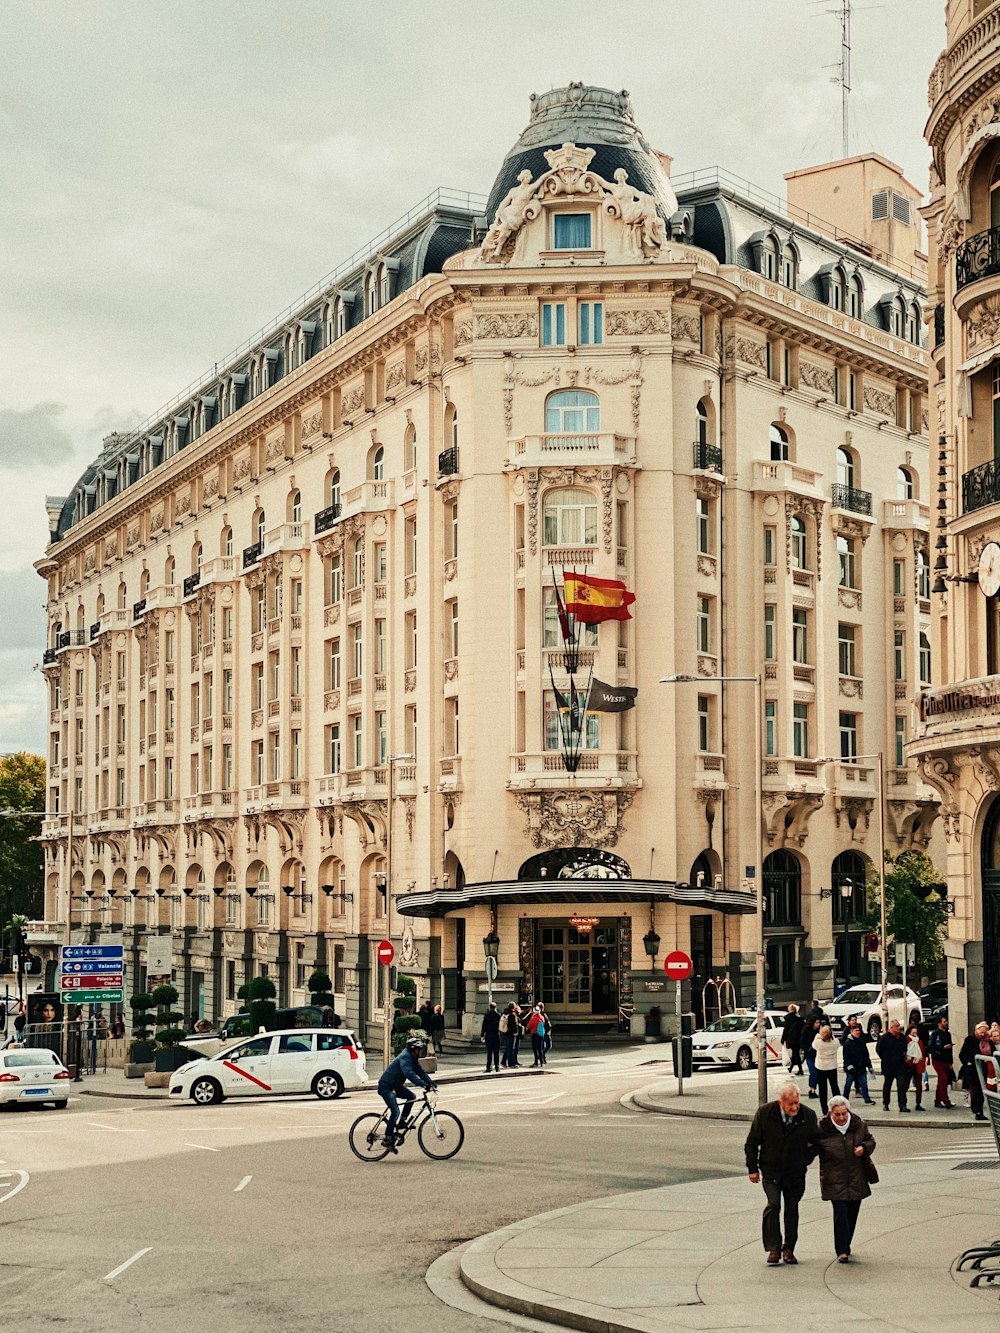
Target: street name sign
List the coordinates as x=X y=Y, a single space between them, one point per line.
x=92 y=973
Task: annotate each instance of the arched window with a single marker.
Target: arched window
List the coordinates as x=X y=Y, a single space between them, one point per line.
x=904 y=484
x=378 y=464
x=259 y=524
x=849 y=869
x=226 y=541
x=914 y=319
x=255 y=377
x=779 y=444
x=923 y=576
x=789 y=275
x=122 y=597
x=782 y=889
x=195 y=557
x=701 y=423
x=295 y=507
x=570 y=518
x=800 y=549
x=358 y=570
x=333 y=487
x=339 y=317
x=169 y=566
x=143 y=585
x=995 y=196
x=896 y=318
x=572 y=411
x=384 y=285
x=329 y=323
x=410 y=448
x=925 y=660
x=371 y=293
x=855 y=298
x=837 y=289
x=845 y=468
x=769 y=258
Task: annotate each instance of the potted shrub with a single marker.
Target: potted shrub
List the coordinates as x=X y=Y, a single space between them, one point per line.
x=263 y=1010
x=653 y=1019
x=169 y=1057
x=141 y=1049
x=402 y=1026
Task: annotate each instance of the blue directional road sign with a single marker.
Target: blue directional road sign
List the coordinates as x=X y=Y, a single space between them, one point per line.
x=115 y=951
x=93 y=965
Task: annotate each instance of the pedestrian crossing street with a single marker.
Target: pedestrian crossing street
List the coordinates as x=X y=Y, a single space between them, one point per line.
x=980 y=1149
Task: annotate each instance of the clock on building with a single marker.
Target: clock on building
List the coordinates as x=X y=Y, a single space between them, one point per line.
x=989 y=569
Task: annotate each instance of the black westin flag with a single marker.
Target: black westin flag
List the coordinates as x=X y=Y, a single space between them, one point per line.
x=610 y=698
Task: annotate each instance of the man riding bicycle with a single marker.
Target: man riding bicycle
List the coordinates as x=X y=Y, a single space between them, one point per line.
x=392 y=1084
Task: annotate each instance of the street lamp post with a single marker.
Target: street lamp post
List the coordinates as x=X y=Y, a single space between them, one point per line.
x=758 y=869
x=491 y=949
x=846 y=894
x=876 y=757
x=391 y=762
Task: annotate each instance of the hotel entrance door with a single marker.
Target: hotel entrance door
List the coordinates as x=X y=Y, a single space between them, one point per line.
x=578 y=968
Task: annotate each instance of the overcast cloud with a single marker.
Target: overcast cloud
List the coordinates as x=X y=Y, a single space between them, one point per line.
x=176 y=174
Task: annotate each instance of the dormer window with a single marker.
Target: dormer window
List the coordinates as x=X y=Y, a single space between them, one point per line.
x=571 y=231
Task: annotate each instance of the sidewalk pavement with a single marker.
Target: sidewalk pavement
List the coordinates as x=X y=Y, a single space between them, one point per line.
x=730 y=1096
x=690 y=1257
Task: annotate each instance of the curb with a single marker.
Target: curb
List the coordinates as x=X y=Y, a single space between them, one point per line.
x=477 y=1077
x=643 y=1100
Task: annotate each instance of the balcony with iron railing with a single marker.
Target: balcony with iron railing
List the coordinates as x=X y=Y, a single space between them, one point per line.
x=853 y=499
x=981 y=486
x=938 y=324
x=707 y=457
x=192 y=582
x=977 y=260
x=324 y=519
x=599 y=447
x=49 y=656
x=252 y=554
x=448 y=462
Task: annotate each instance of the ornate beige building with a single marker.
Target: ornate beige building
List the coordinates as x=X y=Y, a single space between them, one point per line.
x=305 y=650
x=958 y=743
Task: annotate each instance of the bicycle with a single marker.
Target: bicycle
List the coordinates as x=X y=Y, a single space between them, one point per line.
x=439 y=1133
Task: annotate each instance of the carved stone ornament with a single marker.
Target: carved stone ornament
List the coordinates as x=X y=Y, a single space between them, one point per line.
x=574 y=818
x=408 y=955
x=787 y=815
x=463 y=333
x=751 y=352
x=242 y=468
x=645 y=232
x=508 y=325
x=633 y=323
x=816 y=377
x=951 y=234
x=983 y=323
x=312 y=425
x=353 y=400
x=880 y=400
x=687 y=328
x=395 y=374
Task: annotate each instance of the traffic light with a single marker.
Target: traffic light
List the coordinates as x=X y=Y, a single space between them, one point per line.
x=393 y=977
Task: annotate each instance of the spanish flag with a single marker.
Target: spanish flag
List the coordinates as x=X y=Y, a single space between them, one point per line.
x=594 y=600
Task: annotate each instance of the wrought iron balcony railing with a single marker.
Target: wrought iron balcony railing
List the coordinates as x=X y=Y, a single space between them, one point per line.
x=138 y=608
x=251 y=554
x=850 y=497
x=324 y=519
x=48 y=656
x=191 y=582
x=981 y=486
x=707 y=457
x=448 y=461
x=978 y=257
x=939 y=324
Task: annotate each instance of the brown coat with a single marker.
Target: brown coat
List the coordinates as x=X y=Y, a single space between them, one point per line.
x=841 y=1174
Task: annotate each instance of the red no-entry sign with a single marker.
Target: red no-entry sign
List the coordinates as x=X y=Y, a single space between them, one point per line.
x=385 y=953
x=678 y=966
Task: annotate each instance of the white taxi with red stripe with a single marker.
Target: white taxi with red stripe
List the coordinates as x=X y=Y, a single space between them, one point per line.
x=732 y=1039
x=323 y=1061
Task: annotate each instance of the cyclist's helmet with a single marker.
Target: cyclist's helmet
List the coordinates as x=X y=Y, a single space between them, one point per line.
x=416 y=1043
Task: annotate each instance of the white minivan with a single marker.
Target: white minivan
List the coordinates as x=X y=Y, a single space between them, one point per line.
x=866 y=1002
x=322 y=1061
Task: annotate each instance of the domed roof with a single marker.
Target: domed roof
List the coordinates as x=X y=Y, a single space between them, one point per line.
x=597 y=118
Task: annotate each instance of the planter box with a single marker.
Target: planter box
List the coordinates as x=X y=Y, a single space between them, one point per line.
x=142 y=1052
x=157 y=1080
x=138 y=1070
x=167 y=1061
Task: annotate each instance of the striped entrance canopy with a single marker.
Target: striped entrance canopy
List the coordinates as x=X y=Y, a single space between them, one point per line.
x=581 y=892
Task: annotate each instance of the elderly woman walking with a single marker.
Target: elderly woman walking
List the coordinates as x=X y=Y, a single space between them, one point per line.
x=844 y=1146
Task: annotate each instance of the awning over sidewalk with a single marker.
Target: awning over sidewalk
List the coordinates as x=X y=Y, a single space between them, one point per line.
x=579 y=892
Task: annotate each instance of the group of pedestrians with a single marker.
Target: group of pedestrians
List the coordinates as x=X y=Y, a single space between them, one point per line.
x=508 y=1029
x=905 y=1058
x=432 y=1019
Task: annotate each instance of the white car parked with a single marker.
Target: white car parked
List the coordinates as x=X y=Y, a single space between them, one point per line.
x=732 y=1040
x=866 y=1002
x=322 y=1061
x=33 y=1074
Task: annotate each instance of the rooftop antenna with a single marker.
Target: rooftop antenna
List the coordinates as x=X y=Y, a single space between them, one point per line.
x=845 y=72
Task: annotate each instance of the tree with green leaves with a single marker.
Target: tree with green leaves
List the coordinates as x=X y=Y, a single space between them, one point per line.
x=916 y=912
x=22 y=798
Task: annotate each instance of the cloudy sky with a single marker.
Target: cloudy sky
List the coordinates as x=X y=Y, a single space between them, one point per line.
x=175 y=175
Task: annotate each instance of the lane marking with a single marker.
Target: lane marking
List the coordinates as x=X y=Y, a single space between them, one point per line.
x=114 y=1129
x=243 y=1184
x=108 y=1277
x=24 y=1178
x=202 y=1146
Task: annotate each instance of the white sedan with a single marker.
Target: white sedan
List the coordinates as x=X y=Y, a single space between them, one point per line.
x=322 y=1061
x=732 y=1040
x=33 y=1074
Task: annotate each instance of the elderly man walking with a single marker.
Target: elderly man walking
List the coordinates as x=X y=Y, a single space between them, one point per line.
x=779 y=1148
x=891 y=1050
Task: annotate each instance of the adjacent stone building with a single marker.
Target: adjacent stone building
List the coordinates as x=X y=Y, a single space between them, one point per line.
x=307 y=671
x=958 y=742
